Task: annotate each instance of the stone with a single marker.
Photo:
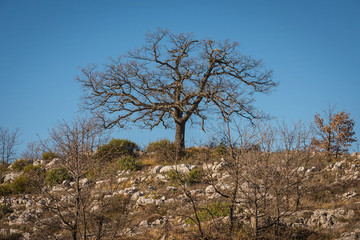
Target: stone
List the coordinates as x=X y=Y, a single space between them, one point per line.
x=122 y=179
x=84 y=182
x=350 y=235
x=10 y=177
x=156 y=169
x=56 y=162
x=171 y=188
x=136 y=195
x=209 y=189
x=182 y=168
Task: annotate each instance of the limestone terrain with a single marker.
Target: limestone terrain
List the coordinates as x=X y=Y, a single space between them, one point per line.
x=154 y=203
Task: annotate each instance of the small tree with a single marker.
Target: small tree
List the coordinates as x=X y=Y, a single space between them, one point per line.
x=265 y=180
x=173 y=79
x=8 y=142
x=334 y=133
x=69 y=208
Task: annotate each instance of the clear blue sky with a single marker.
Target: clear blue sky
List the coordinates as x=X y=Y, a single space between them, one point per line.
x=312 y=46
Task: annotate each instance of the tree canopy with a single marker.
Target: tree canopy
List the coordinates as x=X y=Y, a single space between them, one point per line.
x=175 y=78
x=334 y=132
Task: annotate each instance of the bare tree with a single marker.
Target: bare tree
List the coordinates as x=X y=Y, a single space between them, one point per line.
x=32 y=151
x=69 y=206
x=8 y=142
x=173 y=79
x=265 y=181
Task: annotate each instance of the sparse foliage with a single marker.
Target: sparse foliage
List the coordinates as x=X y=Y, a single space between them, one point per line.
x=264 y=181
x=116 y=148
x=75 y=145
x=175 y=78
x=334 y=132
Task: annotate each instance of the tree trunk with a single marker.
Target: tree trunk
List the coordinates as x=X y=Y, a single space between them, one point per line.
x=180 y=138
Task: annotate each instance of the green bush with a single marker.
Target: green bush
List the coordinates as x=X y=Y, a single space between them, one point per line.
x=20 y=164
x=21 y=184
x=57 y=176
x=48 y=156
x=192 y=177
x=164 y=150
x=214 y=210
x=116 y=148
x=5 y=190
x=32 y=170
x=129 y=163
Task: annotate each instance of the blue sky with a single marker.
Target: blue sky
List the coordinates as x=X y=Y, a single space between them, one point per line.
x=312 y=46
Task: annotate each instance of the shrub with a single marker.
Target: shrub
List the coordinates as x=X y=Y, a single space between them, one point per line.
x=192 y=177
x=129 y=163
x=21 y=185
x=32 y=170
x=20 y=164
x=214 y=210
x=5 y=190
x=48 y=156
x=164 y=150
x=116 y=148
x=57 y=176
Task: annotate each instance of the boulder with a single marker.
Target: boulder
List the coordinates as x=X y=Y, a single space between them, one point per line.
x=350 y=235
x=10 y=177
x=183 y=168
x=55 y=163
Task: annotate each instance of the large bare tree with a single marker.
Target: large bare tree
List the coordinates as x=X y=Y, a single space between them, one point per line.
x=175 y=78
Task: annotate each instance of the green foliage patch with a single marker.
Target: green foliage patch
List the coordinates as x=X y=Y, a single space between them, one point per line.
x=164 y=150
x=129 y=163
x=116 y=148
x=48 y=156
x=20 y=164
x=192 y=177
x=213 y=210
x=56 y=176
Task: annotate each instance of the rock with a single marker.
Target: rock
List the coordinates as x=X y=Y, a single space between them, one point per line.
x=56 y=162
x=136 y=195
x=84 y=182
x=220 y=166
x=66 y=183
x=145 y=201
x=350 y=235
x=161 y=178
x=183 y=168
x=338 y=166
x=328 y=218
x=349 y=195
x=123 y=179
x=131 y=190
x=171 y=188
x=10 y=177
x=209 y=189
x=39 y=162
x=156 y=169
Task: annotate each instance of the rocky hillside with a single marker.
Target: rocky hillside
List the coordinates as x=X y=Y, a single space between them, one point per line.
x=188 y=200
